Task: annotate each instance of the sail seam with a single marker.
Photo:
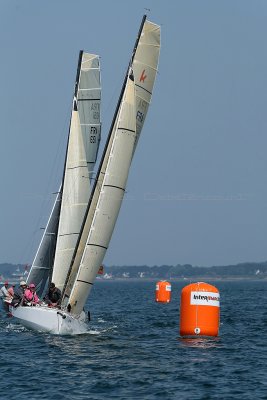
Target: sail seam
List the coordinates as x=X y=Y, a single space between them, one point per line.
x=147 y=65
x=141 y=87
x=96 y=245
x=92 y=124
x=78 y=166
x=84 y=89
x=68 y=234
x=88 y=283
x=126 y=129
x=90 y=68
x=91 y=89
x=116 y=187
x=87 y=99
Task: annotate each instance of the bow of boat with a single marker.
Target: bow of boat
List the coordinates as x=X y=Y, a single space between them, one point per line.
x=50 y=320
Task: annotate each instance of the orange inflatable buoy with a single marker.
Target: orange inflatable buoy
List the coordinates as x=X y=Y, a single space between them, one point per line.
x=199 y=310
x=163 y=292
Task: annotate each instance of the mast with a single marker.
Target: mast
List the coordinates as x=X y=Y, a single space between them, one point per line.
x=77 y=254
x=108 y=192
x=74 y=107
x=82 y=148
x=41 y=270
x=106 y=203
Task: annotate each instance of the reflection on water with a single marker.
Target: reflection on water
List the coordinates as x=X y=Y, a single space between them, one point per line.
x=200 y=342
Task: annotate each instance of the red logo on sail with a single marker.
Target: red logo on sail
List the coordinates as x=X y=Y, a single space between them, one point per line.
x=143 y=76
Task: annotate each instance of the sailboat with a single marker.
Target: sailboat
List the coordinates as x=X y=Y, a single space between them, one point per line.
x=82 y=220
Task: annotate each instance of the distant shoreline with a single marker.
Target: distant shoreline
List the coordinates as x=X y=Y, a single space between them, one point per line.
x=187 y=280
x=186 y=273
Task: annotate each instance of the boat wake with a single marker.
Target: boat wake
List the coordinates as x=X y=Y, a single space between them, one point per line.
x=10 y=327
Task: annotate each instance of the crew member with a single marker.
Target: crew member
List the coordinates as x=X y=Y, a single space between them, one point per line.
x=6 y=297
x=11 y=290
x=30 y=297
x=53 y=297
x=4 y=291
x=18 y=294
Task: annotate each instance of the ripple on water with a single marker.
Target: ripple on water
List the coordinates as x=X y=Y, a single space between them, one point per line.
x=132 y=350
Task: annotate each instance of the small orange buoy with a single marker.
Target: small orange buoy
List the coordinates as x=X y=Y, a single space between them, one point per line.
x=163 y=292
x=199 y=310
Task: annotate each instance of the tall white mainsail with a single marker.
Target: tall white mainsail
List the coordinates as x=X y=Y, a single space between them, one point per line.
x=87 y=220
x=81 y=156
x=108 y=191
x=109 y=198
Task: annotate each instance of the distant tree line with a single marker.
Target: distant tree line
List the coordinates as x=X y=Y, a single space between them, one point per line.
x=187 y=271
x=246 y=270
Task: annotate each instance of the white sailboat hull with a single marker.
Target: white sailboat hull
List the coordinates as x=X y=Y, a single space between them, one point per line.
x=50 y=320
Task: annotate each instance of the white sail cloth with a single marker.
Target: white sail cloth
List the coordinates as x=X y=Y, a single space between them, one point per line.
x=145 y=67
x=81 y=155
x=106 y=202
x=110 y=196
x=86 y=227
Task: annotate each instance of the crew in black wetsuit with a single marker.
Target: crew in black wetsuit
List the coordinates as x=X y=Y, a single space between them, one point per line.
x=53 y=297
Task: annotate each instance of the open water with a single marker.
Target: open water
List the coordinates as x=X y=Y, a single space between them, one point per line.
x=133 y=350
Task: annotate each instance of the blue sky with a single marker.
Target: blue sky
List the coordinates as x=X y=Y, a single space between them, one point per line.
x=197 y=187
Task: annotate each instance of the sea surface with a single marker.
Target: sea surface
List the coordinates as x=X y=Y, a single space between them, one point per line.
x=133 y=349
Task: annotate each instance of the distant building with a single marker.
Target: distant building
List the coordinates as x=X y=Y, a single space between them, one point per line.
x=107 y=276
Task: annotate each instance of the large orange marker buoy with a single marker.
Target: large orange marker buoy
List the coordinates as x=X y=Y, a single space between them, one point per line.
x=163 y=292
x=199 y=310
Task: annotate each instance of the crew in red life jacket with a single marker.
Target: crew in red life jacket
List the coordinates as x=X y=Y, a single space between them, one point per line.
x=30 y=296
